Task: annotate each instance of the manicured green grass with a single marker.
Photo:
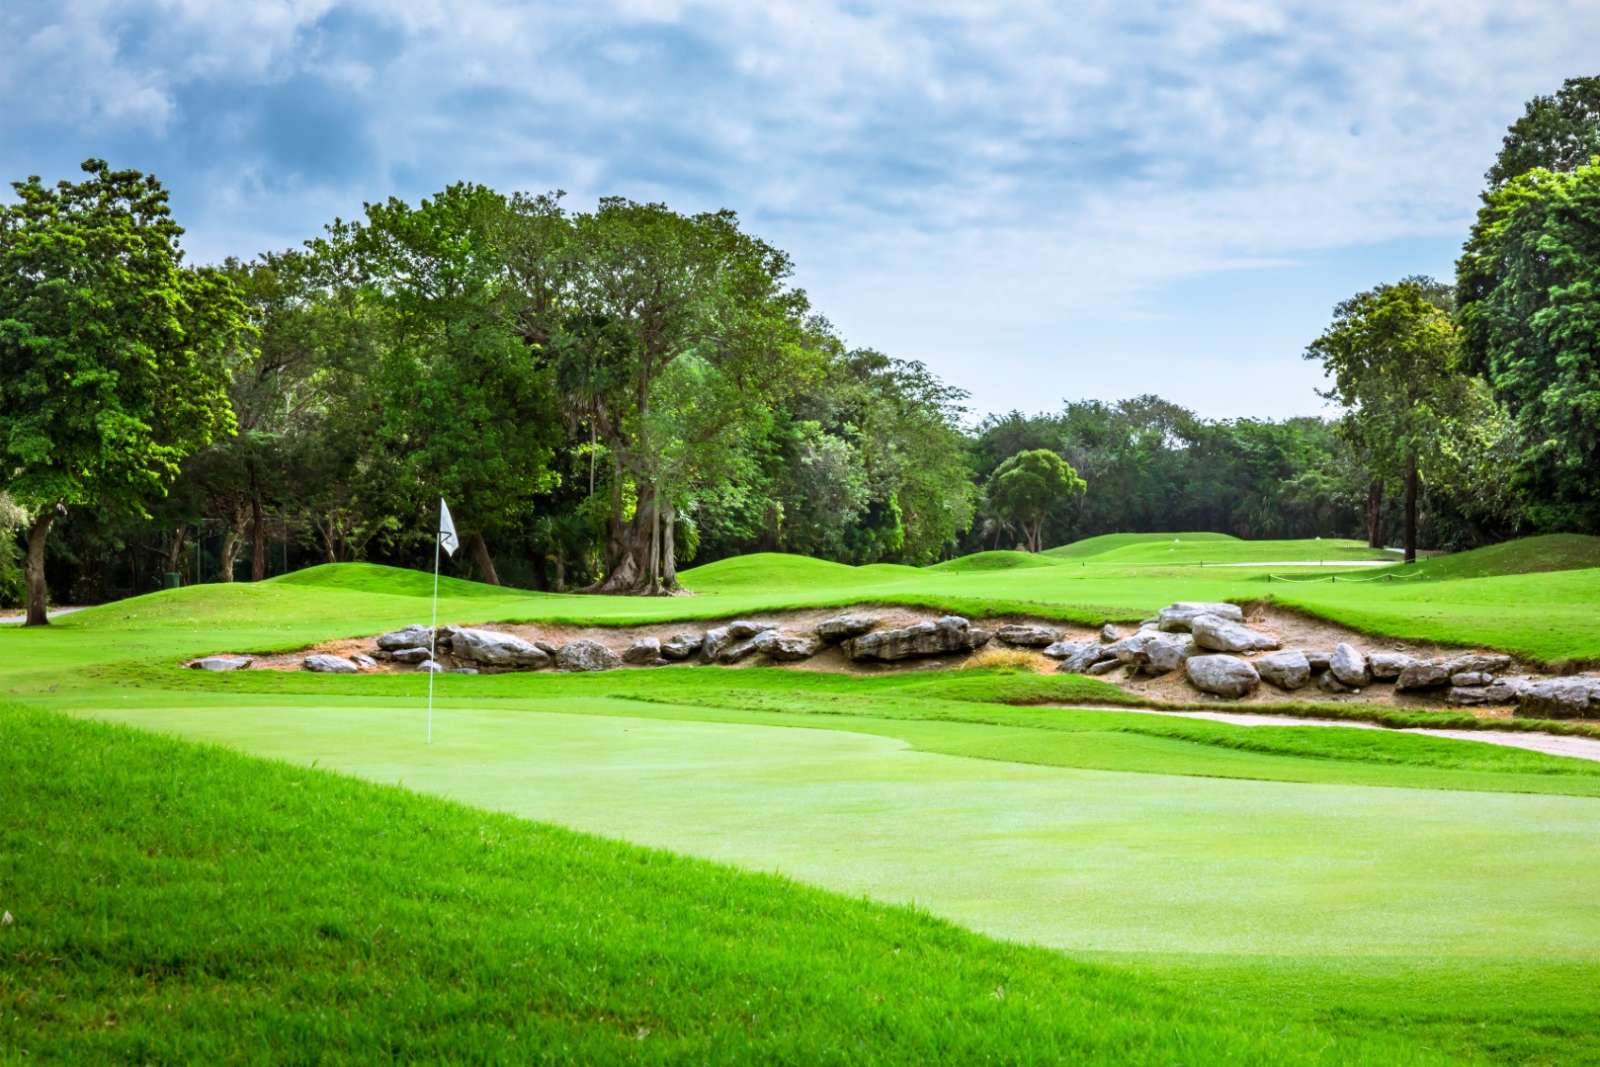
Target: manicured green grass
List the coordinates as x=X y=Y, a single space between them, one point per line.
x=1094 y=546
x=173 y=903
x=1354 y=882
x=998 y=560
x=1529 y=555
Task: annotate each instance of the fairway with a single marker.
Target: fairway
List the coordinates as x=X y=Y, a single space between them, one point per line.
x=1068 y=858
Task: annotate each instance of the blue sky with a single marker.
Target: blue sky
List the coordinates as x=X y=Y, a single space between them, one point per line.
x=1041 y=201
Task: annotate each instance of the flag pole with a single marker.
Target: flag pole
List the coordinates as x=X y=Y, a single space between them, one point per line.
x=433 y=635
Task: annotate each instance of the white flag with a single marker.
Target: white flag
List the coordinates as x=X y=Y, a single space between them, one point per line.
x=447 y=529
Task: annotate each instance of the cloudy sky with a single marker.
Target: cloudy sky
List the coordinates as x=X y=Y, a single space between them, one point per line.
x=1040 y=200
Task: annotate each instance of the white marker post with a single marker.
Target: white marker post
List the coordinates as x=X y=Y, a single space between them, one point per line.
x=448 y=541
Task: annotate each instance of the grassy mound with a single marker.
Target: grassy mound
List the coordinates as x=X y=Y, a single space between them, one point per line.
x=393 y=581
x=1094 y=546
x=1527 y=555
x=996 y=560
x=215 y=907
x=764 y=571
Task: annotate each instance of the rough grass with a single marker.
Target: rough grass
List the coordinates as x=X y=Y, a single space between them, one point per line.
x=1528 y=555
x=176 y=903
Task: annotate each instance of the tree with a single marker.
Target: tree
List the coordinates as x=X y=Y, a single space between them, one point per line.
x=1529 y=279
x=671 y=337
x=452 y=398
x=1393 y=355
x=1559 y=133
x=113 y=355
x=1027 y=487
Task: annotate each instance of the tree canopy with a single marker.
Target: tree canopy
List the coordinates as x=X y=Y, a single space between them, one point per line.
x=1559 y=132
x=1026 y=488
x=114 y=356
x=1530 y=311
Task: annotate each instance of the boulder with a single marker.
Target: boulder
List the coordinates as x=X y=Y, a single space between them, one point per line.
x=1224 y=635
x=463 y=670
x=719 y=638
x=1560 y=698
x=1105 y=666
x=1175 y=618
x=323 y=663
x=1080 y=656
x=734 y=651
x=490 y=648
x=645 y=650
x=1062 y=649
x=1318 y=658
x=1469 y=679
x=410 y=637
x=549 y=648
x=1494 y=693
x=1223 y=676
x=220 y=663
x=1479 y=663
x=1423 y=674
x=586 y=655
x=681 y=646
x=940 y=637
x=430 y=667
x=410 y=655
x=1330 y=684
x=788 y=647
x=1386 y=666
x=1349 y=665
x=1026 y=635
x=1286 y=670
x=1153 y=651
x=1168 y=654
x=843 y=627
x=1108 y=634
x=364 y=662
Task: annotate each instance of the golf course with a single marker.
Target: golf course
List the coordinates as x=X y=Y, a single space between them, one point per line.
x=721 y=863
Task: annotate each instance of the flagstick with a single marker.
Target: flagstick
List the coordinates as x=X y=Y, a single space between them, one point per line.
x=433 y=637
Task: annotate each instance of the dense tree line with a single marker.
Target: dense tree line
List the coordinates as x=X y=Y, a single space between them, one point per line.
x=605 y=395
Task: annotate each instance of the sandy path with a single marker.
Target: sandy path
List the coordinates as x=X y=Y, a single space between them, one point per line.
x=1550 y=744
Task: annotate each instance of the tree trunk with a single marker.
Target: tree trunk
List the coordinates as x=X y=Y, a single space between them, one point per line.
x=258 y=532
x=655 y=541
x=1375 y=513
x=174 y=560
x=1411 y=508
x=561 y=571
x=37 y=592
x=669 y=547
x=482 y=560
x=229 y=553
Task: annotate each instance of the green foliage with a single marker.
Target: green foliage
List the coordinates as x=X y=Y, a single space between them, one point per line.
x=1530 y=309
x=112 y=353
x=1559 y=132
x=1030 y=485
x=1393 y=355
x=12 y=519
x=452 y=400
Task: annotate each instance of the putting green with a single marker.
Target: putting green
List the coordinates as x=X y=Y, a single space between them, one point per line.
x=1086 y=860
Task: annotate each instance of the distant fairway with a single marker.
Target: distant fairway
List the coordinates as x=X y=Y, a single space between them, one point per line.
x=1356 y=883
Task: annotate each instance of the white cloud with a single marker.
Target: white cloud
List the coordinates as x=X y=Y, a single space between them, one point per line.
x=949 y=172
